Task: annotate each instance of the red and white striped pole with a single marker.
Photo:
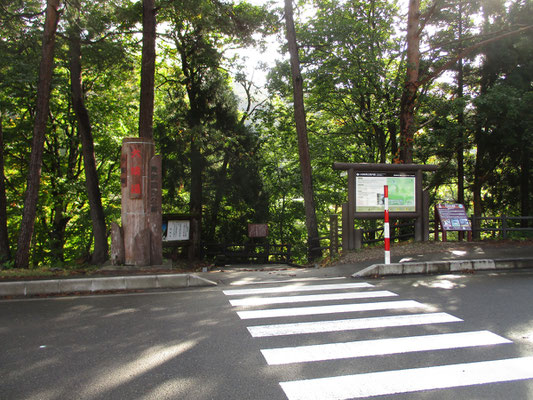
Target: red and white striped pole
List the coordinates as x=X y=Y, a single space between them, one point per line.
x=386 y=227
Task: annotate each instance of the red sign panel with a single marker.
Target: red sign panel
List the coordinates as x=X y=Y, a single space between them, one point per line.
x=135 y=171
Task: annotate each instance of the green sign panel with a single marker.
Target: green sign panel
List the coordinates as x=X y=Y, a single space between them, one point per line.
x=369 y=196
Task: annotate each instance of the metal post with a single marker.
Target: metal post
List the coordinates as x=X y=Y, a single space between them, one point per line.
x=358 y=239
x=425 y=215
x=504 y=226
x=419 y=221
x=437 y=223
x=386 y=226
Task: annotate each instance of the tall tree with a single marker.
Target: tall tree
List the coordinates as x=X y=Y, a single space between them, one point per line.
x=146 y=109
x=5 y=252
x=461 y=115
x=201 y=31
x=353 y=79
x=100 y=252
x=408 y=100
x=301 y=129
x=39 y=131
x=456 y=28
x=416 y=78
x=503 y=126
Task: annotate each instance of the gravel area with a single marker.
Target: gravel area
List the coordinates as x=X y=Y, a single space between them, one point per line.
x=424 y=248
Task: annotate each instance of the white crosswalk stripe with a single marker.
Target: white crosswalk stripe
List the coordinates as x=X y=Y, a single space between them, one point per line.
x=351 y=324
x=296 y=288
x=379 y=347
x=338 y=308
x=261 y=301
x=410 y=380
x=248 y=282
x=364 y=385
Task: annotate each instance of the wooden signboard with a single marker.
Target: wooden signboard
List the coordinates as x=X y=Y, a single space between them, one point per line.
x=452 y=217
x=257 y=230
x=176 y=230
x=141 y=204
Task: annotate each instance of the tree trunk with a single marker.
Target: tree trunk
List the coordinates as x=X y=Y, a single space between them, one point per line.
x=525 y=166
x=461 y=140
x=196 y=200
x=219 y=191
x=91 y=176
x=41 y=116
x=408 y=100
x=476 y=191
x=146 y=106
x=5 y=252
x=460 y=117
x=301 y=129
x=57 y=231
x=393 y=140
x=197 y=159
x=381 y=140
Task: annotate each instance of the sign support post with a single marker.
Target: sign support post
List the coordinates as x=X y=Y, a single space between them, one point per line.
x=386 y=226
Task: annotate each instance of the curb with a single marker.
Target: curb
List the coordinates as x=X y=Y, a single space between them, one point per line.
x=91 y=285
x=443 y=267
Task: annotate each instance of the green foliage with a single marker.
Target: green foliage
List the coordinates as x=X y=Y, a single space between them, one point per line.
x=247 y=163
x=63 y=228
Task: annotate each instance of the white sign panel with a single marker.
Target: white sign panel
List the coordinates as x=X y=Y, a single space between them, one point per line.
x=369 y=192
x=177 y=230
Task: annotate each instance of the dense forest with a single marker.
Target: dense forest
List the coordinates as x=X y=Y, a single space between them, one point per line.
x=435 y=82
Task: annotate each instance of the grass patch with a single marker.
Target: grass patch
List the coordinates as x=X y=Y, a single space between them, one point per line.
x=43 y=272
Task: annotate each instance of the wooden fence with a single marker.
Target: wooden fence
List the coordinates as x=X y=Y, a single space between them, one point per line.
x=260 y=253
x=502 y=225
x=498 y=226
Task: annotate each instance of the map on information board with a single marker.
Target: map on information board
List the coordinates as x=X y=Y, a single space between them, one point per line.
x=369 y=196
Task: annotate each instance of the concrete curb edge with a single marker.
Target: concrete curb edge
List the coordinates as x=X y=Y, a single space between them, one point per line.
x=91 y=285
x=442 y=267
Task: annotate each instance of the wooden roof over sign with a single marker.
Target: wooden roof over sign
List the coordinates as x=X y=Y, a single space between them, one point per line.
x=384 y=167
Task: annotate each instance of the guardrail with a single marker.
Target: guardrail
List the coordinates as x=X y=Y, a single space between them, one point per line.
x=248 y=253
x=502 y=225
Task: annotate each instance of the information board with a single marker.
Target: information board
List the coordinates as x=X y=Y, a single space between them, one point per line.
x=369 y=192
x=453 y=217
x=257 y=230
x=176 y=230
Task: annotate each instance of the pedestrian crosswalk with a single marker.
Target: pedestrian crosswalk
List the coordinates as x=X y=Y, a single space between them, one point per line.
x=410 y=380
x=287 y=312
x=350 y=324
x=379 y=347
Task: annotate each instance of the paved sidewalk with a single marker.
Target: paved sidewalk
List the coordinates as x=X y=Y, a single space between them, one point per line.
x=415 y=258
x=437 y=258
x=457 y=257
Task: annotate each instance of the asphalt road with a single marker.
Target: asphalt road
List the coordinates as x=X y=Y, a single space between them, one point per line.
x=195 y=344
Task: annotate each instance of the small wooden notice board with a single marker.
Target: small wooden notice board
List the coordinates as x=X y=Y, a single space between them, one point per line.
x=451 y=217
x=257 y=230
